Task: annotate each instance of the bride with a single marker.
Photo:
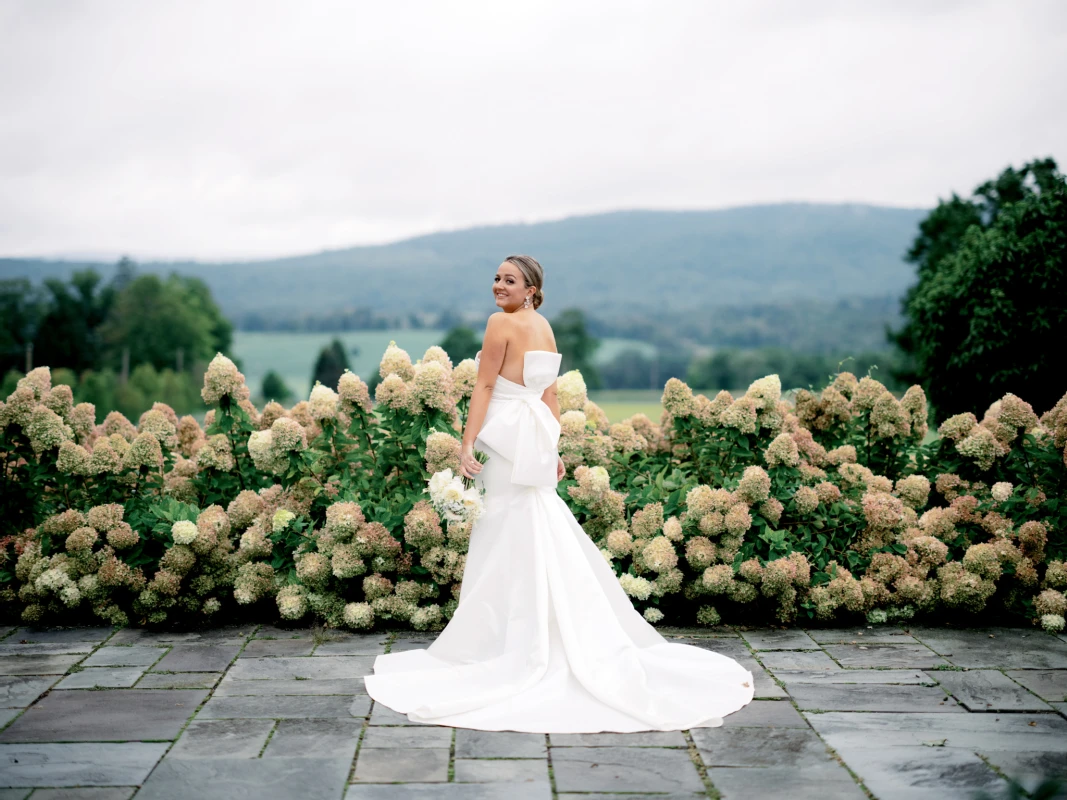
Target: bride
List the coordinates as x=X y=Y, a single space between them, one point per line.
x=544 y=638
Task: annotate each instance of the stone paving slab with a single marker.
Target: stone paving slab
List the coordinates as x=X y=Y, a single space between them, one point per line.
x=913 y=677
x=178 y=680
x=198 y=658
x=999 y=648
x=102 y=678
x=229 y=634
x=105 y=716
x=222 y=738
x=274 y=632
x=465 y=791
x=314 y=738
x=775 y=660
x=989 y=690
x=355 y=646
x=408 y=738
x=497 y=744
x=892 y=656
x=96 y=635
x=383 y=715
x=765 y=686
x=38 y=665
x=47 y=649
x=873 y=697
x=1048 y=684
x=85 y=793
x=922 y=773
x=765 y=713
x=271 y=648
x=624 y=769
x=118 y=656
x=285 y=707
x=229 y=687
x=19 y=691
x=1029 y=769
x=499 y=770
x=640 y=739
x=264 y=779
x=389 y=764
x=813 y=783
x=78 y=764
x=290 y=668
x=1018 y=732
x=792 y=639
x=880 y=635
x=760 y=747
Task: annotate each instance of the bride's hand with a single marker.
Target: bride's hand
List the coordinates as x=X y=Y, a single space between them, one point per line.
x=469 y=466
x=560 y=469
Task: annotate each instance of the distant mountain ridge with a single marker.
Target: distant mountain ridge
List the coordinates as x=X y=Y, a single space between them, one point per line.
x=650 y=263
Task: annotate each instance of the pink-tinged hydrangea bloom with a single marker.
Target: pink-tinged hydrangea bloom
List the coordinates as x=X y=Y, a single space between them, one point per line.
x=464 y=377
x=914 y=404
x=914 y=490
x=958 y=426
x=1017 y=413
x=122 y=536
x=216 y=453
x=980 y=445
x=595 y=417
x=60 y=399
x=359 y=616
x=1050 y=602
x=827 y=492
x=738 y=519
x=717 y=579
x=636 y=586
x=982 y=560
x=782 y=451
x=619 y=542
x=73 y=459
x=396 y=361
x=699 y=552
x=156 y=422
x=1001 y=491
x=845 y=454
x=707 y=615
x=393 y=392
x=422 y=527
x=82 y=420
x=678 y=398
x=742 y=415
x=432 y=385
x=105 y=517
x=867 y=393
x=144 y=452
x=353 y=393
x=771 y=509
x=571 y=391
x=1053 y=623
x=625 y=439
x=755 y=484
x=223 y=379
x=104 y=458
x=442 y=452
x=1032 y=537
x=672 y=529
x=765 y=392
x=82 y=539
x=46 y=430
x=1056 y=574
x=246 y=507
x=963 y=589
x=323 y=403
x=659 y=554
x=806 y=500
x=19 y=406
x=647 y=521
x=713 y=523
x=889 y=419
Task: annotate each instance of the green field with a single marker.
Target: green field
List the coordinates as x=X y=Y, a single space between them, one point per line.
x=292 y=355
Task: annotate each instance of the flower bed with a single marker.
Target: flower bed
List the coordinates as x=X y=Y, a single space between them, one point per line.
x=745 y=509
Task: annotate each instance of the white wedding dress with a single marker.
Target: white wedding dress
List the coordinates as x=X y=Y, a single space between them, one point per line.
x=544 y=639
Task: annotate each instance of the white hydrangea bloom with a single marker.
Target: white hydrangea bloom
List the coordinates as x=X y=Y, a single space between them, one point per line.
x=184 y=532
x=1002 y=491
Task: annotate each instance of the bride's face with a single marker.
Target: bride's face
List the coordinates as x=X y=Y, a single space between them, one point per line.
x=509 y=288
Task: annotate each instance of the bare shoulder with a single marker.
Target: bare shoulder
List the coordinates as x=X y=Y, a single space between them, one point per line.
x=548 y=328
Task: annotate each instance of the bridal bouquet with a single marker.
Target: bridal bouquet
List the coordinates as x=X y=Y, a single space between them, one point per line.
x=453 y=501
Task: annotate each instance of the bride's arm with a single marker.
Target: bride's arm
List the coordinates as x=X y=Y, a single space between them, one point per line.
x=552 y=400
x=494 y=345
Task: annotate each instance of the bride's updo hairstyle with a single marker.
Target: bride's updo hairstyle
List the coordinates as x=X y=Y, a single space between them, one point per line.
x=532 y=274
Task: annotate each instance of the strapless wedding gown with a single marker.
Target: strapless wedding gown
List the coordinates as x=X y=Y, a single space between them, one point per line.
x=544 y=638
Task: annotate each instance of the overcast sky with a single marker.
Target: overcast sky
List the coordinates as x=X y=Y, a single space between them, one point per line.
x=235 y=129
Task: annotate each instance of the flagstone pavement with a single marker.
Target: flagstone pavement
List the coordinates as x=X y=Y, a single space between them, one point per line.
x=257 y=711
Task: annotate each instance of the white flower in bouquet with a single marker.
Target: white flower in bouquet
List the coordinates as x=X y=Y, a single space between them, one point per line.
x=439 y=481
x=451 y=500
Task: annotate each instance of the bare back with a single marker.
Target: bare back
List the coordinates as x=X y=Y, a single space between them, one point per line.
x=526 y=331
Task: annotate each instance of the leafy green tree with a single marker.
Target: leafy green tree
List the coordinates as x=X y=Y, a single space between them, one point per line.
x=989 y=312
x=577 y=345
x=330 y=365
x=275 y=388
x=158 y=319
x=460 y=343
x=21 y=309
x=69 y=333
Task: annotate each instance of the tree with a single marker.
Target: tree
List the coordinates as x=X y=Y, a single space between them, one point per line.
x=330 y=365
x=460 y=343
x=21 y=309
x=163 y=322
x=69 y=334
x=989 y=312
x=275 y=388
x=576 y=345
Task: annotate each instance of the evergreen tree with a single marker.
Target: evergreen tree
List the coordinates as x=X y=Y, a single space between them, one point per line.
x=275 y=388
x=330 y=365
x=460 y=343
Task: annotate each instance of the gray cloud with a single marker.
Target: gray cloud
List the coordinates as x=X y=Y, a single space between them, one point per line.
x=264 y=128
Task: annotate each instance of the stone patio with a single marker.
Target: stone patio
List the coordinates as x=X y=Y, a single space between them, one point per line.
x=258 y=711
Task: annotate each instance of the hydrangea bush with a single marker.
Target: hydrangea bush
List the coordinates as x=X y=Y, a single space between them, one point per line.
x=837 y=506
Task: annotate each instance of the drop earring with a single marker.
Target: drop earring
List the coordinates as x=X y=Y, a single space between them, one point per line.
x=526 y=304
